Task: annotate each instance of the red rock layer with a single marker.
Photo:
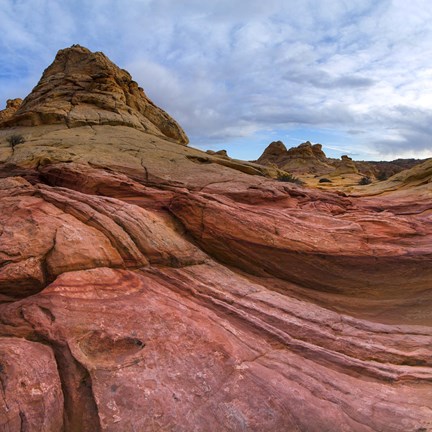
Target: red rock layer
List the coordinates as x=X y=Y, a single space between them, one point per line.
x=146 y=286
x=272 y=308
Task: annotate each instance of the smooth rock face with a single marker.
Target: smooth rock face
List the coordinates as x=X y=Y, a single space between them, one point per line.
x=151 y=287
x=85 y=88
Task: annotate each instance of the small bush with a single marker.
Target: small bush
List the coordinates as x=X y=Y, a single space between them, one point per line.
x=365 y=181
x=290 y=178
x=13 y=140
x=382 y=176
x=324 y=180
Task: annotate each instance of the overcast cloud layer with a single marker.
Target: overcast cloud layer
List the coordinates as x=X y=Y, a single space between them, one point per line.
x=355 y=75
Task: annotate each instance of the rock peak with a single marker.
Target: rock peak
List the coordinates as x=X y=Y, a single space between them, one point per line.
x=12 y=106
x=82 y=87
x=305 y=158
x=272 y=153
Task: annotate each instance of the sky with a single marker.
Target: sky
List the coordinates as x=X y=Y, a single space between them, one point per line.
x=353 y=75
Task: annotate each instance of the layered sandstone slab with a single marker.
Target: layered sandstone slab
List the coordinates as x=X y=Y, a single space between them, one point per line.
x=149 y=286
x=200 y=345
x=204 y=348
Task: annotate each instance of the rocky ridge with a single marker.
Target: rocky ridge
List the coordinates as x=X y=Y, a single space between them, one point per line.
x=306 y=158
x=309 y=159
x=156 y=287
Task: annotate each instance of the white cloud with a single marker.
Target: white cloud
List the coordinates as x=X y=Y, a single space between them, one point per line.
x=238 y=68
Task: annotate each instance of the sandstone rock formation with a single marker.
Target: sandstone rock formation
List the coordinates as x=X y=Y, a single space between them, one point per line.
x=306 y=158
x=85 y=88
x=345 y=166
x=152 y=287
x=383 y=170
x=415 y=181
x=309 y=159
x=273 y=153
x=12 y=106
x=220 y=153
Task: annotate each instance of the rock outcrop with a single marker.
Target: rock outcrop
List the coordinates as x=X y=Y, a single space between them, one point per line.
x=383 y=170
x=309 y=159
x=12 y=106
x=149 y=286
x=415 y=181
x=221 y=153
x=306 y=158
x=273 y=153
x=345 y=166
x=85 y=88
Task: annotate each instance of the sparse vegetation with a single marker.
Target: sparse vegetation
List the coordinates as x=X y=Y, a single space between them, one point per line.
x=290 y=178
x=382 y=175
x=365 y=181
x=15 y=139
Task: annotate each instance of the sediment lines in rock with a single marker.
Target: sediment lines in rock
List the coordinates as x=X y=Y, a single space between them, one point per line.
x=148 y=286
x=170 y=331
x=82 y=88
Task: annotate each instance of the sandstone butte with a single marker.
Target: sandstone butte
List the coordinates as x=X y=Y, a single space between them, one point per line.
x=149 y=286
x=310 y=164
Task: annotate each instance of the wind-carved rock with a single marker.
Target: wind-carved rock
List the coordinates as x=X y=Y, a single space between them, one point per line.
x=149 y=286
x=272 y=153
x=345 y=166
x=306 y=158
x=12 y=106
x=85 y=88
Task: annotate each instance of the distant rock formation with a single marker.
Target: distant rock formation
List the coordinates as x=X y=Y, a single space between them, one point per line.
x=220 y=153
x=85 y=88
x=418 y=177
x=309 y=158
x=12 y=106
x=306 y=158
x=385 y=169
x=344 y=166
x=273 y=153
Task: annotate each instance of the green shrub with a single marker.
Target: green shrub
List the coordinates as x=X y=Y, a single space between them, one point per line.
x=382 y=175
x=13 y=140
x=290 y=178
x=365 y=181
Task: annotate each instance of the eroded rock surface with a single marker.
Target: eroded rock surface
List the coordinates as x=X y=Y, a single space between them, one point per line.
x=148 y=286
x=31 y=396
x=306 y=158
x=310 y=163
x=12 y=106
x=85 y=88
x=322 y=304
